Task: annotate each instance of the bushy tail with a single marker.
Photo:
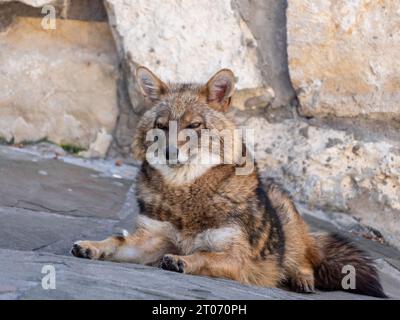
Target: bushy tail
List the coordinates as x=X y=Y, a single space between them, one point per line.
x=336 y=252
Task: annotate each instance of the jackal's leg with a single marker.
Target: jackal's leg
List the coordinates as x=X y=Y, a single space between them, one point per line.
x=146 y=245
x=217 y=264
x=223 y=264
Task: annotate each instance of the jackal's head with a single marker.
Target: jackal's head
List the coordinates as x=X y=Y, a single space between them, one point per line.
x=186 y=131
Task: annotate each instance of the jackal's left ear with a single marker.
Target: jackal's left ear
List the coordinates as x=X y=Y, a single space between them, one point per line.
x=151 y=87
x=220 y=89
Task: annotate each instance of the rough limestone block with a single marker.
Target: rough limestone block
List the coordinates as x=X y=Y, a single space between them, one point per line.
x=59 y=85
x=343 y=57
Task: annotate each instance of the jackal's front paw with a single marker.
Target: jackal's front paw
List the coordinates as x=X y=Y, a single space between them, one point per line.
x=172 y=263
x=84 y=249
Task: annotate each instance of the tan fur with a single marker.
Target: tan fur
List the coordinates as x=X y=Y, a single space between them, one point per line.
x=209 y=221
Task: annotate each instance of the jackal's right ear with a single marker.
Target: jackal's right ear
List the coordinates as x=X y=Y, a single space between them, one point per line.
x=151 y=87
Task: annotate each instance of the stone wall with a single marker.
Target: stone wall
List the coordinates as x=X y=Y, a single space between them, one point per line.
x=59 y=85
x=342 y=57
x=325 y=71
x=345 y=151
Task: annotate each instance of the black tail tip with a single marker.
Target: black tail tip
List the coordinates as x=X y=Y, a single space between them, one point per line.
x=368 y=284
x=376 y=292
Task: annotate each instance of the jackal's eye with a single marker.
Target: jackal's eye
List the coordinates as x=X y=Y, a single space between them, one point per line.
x=161 y=126
x=194 y=125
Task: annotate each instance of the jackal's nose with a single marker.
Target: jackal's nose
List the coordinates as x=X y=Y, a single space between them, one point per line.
x=171 y=153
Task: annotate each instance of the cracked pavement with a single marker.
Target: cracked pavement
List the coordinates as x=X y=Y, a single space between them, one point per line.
x=46 y=204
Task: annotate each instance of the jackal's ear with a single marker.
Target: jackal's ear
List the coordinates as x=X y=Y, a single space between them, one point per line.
x=151 y=87
x=220 y=89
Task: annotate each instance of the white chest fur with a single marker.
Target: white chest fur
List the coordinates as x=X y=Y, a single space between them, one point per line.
x=217 y=239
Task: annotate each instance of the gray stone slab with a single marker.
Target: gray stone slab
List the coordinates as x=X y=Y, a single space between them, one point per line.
x=390 y=278
x=47 y=185
x=20 y=278
x=40 y=231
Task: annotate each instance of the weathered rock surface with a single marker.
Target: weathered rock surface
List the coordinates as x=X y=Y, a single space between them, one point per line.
x=48 y=185
x=31 y=230
x=343 y=57
x=267 y=22
x=57 y=84
x=192 y=45
x=85 y=279
x=333 y=170
x=33 y=3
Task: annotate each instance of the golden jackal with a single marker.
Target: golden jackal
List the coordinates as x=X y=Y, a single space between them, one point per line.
x=203 y=218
